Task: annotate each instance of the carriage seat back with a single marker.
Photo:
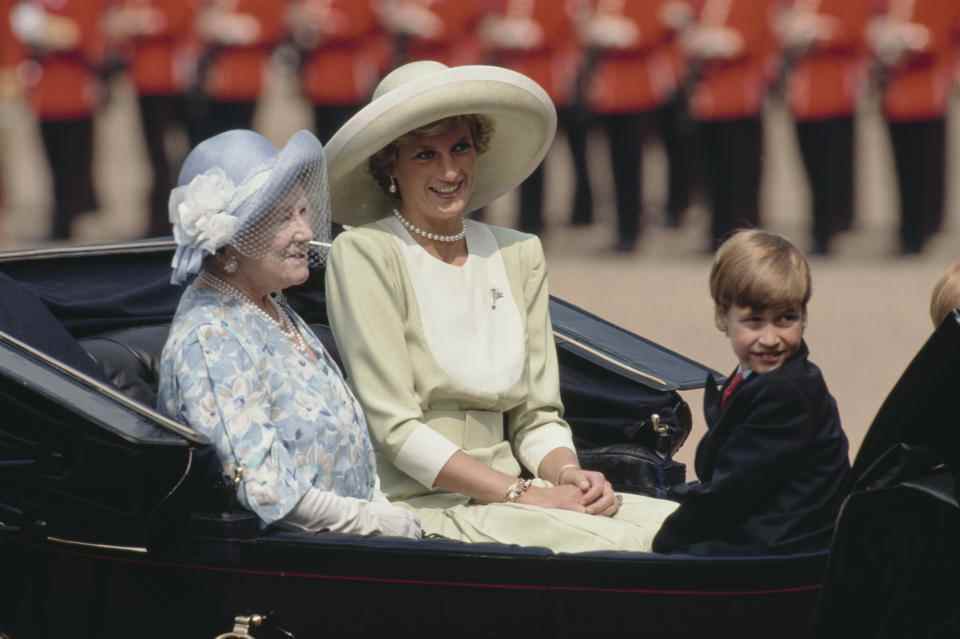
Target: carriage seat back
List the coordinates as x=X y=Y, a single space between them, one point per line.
x=130 y=357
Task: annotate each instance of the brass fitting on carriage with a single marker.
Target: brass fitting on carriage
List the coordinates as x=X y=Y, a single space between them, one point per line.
x=243 y=623
x=662 y=429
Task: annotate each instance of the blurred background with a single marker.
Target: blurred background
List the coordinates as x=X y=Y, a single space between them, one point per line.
x=833 y=122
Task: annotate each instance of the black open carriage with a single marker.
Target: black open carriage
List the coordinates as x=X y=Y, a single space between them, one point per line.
x=113 y=521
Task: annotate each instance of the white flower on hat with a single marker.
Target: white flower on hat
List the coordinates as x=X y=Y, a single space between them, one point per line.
x=202 y=217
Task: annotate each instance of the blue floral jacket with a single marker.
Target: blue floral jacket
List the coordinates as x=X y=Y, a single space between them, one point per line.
x=290 y=423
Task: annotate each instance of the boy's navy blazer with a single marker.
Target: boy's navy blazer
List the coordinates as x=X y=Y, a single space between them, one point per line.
x=771 y=468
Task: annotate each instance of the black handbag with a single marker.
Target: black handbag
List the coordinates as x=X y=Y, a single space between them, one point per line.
x=625 y=430
x=634 y=469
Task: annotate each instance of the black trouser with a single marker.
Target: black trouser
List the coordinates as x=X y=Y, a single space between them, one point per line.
x=328 y=118
x=626 y=135
x=826 y=147
x=219 y=116
x=732 y=168
x=69 y=148
x=530 y=218
x=158 y=115
x=676 y=132
x=919 y=153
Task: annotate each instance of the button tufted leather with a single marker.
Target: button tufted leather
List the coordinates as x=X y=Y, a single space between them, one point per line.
x=130 y=358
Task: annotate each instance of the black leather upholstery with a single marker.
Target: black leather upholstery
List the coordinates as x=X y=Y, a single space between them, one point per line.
x=130 y=358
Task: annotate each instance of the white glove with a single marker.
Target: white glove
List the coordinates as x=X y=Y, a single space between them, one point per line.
x=799 y=30
x=29 y=24
x=320 y=510
x=410 y=18
x=230 y=29
x=611 y=31
x=891 y=39
x=713 y=42
x=121 y=23
x=394 y=521
x=676 y=14
x=512 y=33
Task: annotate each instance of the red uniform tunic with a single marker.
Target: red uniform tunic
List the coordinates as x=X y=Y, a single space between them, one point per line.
x=828 y=80
x=457 y=41
x=641 y=76
x=11 y=51
x=238 y=72
x=63 y=84
x=919 y=86
x=553 y=61
x=158 y=62
x=346 y=65
x=735 y=87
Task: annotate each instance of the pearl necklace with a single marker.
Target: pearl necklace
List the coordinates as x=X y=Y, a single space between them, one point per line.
x=410 y=226
x=285 y=324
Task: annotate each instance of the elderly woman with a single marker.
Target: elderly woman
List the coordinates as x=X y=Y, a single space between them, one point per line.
x=240 y=366
x=443 y=322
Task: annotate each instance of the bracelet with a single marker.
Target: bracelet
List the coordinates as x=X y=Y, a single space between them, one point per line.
x=564 y=468
x=517 y=489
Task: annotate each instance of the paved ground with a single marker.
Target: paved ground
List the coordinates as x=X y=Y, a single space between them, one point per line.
x=867 y=318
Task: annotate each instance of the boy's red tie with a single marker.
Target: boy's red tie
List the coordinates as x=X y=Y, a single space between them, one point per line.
x=732 y=386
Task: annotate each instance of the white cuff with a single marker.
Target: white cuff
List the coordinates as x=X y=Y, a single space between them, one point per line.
x=424 y=455
x=540 y=442
x=378 y=496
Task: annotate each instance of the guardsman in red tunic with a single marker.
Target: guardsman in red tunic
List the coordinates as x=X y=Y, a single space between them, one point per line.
x=673 y=125
x=236 y=39
x=11 y=54
x=154 y=37
x=441 y=30
x=538 y=39
x=341 y=45
x=630 y=73
x=825 y=45
x=64 y=46
x=912 y=40
x=731 y=45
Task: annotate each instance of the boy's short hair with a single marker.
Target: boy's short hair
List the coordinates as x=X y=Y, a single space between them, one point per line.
x=946 y=294
x=761 y=271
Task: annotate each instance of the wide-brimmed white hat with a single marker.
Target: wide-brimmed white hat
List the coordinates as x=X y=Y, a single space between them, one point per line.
x=230 y=181
x=419 y=93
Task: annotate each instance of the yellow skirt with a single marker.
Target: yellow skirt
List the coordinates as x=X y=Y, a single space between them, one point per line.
x=632 y=528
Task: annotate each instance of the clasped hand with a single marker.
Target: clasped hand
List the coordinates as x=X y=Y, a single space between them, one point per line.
x=584 y=491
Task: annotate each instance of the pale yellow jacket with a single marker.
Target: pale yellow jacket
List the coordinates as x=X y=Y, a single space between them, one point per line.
x=417 y=413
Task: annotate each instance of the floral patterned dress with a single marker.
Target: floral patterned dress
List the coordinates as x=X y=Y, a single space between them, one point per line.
x=288 y=421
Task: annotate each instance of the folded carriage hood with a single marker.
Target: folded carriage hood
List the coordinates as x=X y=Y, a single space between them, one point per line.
x=921 y=408
x=623 y=352
x=96 y=289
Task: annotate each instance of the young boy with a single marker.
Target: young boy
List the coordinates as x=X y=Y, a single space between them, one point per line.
x=773 y=460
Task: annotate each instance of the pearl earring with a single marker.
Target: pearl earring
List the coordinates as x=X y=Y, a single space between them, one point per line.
x=393 y=185
x=232 y=265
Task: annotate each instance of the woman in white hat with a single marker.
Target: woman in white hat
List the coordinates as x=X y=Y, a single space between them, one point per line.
x=443 y=321
x=240 y=366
